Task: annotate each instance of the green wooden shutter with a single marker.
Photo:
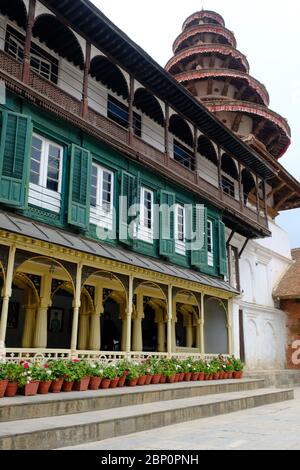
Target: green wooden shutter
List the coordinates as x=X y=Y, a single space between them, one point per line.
x=80 y=187
x=15 y=150
x=199 y=257
x=223 y=269
x=167 y=224
x=127 y=198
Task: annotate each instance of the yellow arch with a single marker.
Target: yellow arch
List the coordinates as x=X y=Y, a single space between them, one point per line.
x=52 y=260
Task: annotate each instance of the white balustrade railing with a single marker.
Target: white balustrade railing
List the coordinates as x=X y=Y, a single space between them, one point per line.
x=43 y=355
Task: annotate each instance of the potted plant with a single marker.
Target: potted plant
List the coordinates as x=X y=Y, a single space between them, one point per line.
x=142 y=375
x=110 y=377
x=156 y=371
x=44 y=376
x=13 y=370
x=82 y=377
x=187 y=368
x=96 y=375
x=238 y=368
x=28 y=379
x=3 y=378
x=69 y=377
x=133 y=375
x=123 y=368
x=58 y=370
x=169 y=371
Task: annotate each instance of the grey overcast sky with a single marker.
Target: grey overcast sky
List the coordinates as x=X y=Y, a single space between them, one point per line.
x=267 y=32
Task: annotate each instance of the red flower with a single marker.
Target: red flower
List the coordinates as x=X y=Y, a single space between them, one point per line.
x=76 y=361
x=26 y=365
x=46 y=366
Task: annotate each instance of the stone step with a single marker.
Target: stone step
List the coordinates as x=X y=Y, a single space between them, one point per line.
x=71 y=430
x=18 y=408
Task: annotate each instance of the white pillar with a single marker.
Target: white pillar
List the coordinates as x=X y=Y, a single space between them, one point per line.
x=202 y=317
x=161 y=336
x=6 y=295
x=41 y=324
x=28 y=329
x=84 y=321
x=129 y=315
x=95 y=332
x=170 y=333
x=76 y=306
x=229 y=325
x=189 y=334
x=137 y=334
x=95 y=326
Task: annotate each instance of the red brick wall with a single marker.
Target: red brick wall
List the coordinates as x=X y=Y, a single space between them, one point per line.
x=293 y=326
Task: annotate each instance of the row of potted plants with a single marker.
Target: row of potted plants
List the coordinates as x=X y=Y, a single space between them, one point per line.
x=30 y=378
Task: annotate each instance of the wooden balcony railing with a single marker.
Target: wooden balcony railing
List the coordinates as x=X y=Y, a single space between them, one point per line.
x=54 y=99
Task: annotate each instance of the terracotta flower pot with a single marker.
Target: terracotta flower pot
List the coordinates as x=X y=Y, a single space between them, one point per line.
x=133 y=382
x=67 y=386
x=122 y=381
x=148 y=379
x=44 y=387
x=95 y=383
x=141 y=380
x=11 y=389
x=81 y=385
x=177 y=378
x=238 y=375
x=163 y=379
x=230 y=375
x=217 y=376
x=171 y=380
x=221 y=377
x=195 y=376
x=201 y=376
x=156 y=379
x=56 y=386
x=114 y=382
x=181 y=378
x=29 y=390
x=188 y=377
x=3 y=386
x=105 y=384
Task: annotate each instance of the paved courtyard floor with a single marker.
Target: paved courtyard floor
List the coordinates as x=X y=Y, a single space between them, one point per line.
x=272 y=427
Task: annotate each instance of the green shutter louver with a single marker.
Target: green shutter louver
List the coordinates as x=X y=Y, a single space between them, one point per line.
x=80 y=187
x=15 y=149
x=167 y=224
x=222 y=249
x=128 y=196
x=199 y=254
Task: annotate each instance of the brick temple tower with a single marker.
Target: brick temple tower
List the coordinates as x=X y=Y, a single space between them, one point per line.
x=207 y=62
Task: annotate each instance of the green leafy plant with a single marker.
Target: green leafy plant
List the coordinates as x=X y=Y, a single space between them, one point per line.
x=111 y=372
x=3 y=371
x=58 y=369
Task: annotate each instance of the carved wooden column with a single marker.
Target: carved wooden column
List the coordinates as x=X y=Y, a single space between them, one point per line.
x=28 y=38
x=241 y=194
x=95 y=327
x=130 y=110
x=167 y=124
x=85 y=85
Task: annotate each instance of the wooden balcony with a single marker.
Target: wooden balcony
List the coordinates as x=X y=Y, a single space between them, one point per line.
x=50 y=97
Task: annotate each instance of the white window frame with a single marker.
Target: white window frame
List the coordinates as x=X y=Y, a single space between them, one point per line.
x=210 y=249
x=232 y=180
x=145 y=233
x=180 y=246
x=19 y=45
x=38 y=70
x=99 y=188
x=43 y=175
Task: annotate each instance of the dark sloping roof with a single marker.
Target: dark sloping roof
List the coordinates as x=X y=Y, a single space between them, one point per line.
x=38 y=231
x=89 y=21
x=289 y=286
